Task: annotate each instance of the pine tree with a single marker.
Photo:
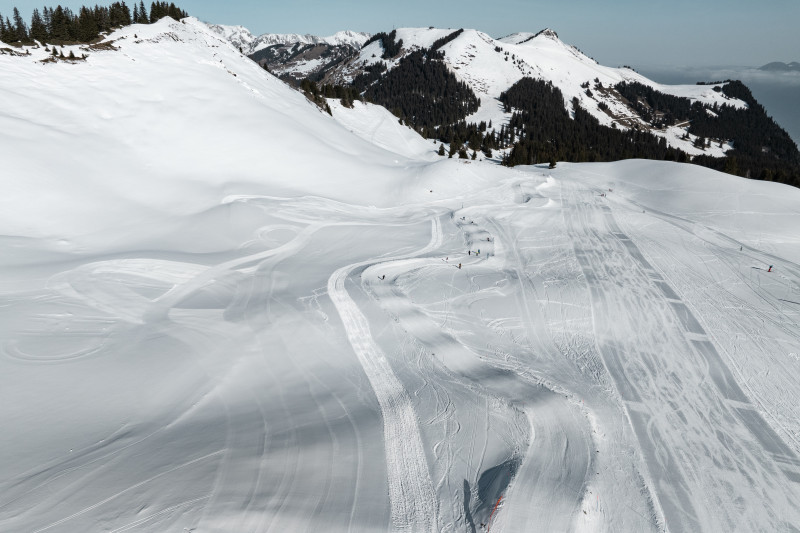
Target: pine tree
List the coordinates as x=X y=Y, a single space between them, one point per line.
x=58 y=22
x=126 y=15
x=7 y=33
x=157 y=12
x=47 y=19
x=20 y=29
x=38 y=27
x=142 y=14
x=441 y=149
x=87 y=26
x=731 y=166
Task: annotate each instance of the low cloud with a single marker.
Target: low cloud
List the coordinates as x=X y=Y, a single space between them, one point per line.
x=745 y=74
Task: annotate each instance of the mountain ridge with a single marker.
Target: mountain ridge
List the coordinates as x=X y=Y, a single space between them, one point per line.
x=250 y=43
x=491 y=67
x=778 y=66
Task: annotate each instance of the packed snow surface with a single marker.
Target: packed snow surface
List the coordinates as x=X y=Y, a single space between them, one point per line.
x=223 y=310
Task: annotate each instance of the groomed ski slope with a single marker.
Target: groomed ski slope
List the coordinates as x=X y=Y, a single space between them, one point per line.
x=222 y=310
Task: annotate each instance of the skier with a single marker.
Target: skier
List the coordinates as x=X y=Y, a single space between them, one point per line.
x=469 y=252
x=770 y=269
x=459 y=266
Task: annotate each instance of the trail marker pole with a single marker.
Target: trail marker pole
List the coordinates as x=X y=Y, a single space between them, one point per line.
x=489 y=523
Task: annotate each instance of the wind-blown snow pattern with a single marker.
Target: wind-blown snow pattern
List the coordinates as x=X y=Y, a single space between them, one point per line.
x=222 y=309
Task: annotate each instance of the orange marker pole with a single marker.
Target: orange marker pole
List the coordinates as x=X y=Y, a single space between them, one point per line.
x=493 y=510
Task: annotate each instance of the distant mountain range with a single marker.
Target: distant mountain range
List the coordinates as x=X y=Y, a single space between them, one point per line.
x=250 y=44
x=778 y=66
x=529 y=97
x=292 y=56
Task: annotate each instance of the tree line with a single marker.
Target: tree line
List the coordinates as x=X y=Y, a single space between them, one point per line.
x=438 y=43
x=420 y=90
x=541 y=130
x=61 y=25
x=761 y=148
x=391 y=48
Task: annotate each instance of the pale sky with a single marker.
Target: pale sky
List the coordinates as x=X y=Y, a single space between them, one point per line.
x=639 y=33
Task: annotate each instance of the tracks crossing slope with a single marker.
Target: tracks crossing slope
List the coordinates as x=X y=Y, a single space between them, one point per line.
x=701 y=438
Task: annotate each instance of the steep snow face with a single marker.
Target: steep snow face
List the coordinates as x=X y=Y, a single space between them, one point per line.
x=223 y=310
x=239 y=36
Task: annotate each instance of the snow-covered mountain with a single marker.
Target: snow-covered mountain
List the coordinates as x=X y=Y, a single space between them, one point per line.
x=491 y=66
x=224 y=310
x=240 y=36
x=295 y=57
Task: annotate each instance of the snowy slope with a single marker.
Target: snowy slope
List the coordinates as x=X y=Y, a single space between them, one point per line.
x=224 y=310
x=377 y=125
x=491 y=66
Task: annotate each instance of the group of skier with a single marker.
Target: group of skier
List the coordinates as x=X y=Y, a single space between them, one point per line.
x=447 y=259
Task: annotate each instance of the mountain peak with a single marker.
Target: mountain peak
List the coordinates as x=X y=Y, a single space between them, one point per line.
x=524 y=36
x=547 y=32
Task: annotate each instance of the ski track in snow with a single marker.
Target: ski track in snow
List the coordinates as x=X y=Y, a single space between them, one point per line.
x=659 y=368
x=410 y=488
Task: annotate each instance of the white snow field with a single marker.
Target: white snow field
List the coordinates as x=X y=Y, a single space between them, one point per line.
x=223 y=310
